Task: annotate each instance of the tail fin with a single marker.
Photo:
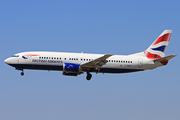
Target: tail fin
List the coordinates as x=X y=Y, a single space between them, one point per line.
x=158 y=48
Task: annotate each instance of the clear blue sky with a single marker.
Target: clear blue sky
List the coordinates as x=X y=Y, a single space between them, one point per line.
x=93 y=26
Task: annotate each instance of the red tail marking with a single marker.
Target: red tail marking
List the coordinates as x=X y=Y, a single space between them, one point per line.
x=151 y=56
x=165 y=37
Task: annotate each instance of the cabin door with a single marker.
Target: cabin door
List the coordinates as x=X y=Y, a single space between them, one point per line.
x=140 y=62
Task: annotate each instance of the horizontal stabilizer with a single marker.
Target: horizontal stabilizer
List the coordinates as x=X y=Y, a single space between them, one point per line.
x=164 y=58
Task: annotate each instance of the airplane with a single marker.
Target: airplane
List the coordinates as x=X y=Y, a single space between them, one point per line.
x=73 y=64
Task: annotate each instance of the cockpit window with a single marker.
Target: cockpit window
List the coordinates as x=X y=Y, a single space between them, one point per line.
x=15 y=56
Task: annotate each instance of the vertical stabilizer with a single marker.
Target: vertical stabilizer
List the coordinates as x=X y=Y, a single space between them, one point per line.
x=158 y=48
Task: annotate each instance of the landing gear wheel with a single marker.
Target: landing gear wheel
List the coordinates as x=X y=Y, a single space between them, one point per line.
x=89 y=76
x=22 y=73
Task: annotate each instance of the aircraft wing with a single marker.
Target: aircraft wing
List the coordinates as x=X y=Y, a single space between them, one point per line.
x=96 y=63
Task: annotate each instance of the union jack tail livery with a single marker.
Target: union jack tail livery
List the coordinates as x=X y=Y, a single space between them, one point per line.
x=158 y=48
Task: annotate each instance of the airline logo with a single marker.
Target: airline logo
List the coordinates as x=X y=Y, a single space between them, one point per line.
x=24 y=57
x=70 y=66
x=27 y=55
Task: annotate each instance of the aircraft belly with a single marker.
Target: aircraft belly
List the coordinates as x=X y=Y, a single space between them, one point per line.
x=118 y=70
x=38 y=67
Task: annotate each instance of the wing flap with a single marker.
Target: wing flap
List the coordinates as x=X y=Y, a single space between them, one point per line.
x=99 y=62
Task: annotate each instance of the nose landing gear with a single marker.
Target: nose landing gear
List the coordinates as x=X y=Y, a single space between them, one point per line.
x=22 y=73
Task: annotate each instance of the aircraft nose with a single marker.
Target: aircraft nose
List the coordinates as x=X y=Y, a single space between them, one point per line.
x=7 y=61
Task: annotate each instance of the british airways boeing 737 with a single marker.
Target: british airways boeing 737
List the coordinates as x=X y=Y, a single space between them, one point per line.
x=73 y=64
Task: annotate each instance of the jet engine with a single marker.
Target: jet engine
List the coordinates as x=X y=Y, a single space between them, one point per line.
x=71 y=69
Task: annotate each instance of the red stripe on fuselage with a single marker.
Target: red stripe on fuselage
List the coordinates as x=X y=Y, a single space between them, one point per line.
x=165 y=37
x=30 y=55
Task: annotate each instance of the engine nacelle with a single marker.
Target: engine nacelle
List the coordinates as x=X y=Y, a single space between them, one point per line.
x=69 y=73
x=70 y=67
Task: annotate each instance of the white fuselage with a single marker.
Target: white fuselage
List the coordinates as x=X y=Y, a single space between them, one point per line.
x=55 y=61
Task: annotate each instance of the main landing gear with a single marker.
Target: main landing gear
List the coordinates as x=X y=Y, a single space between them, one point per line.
x=89 y=75
x=22 y=73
